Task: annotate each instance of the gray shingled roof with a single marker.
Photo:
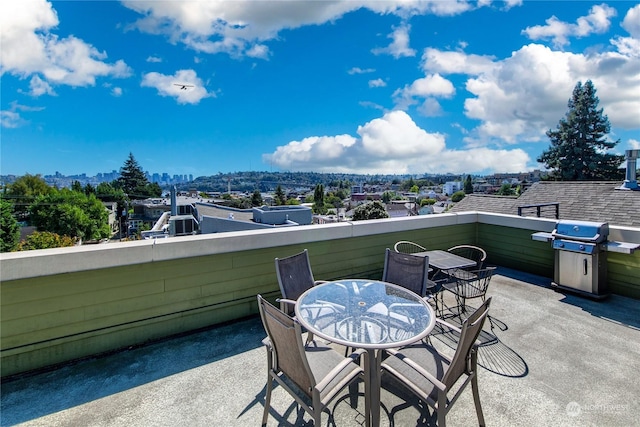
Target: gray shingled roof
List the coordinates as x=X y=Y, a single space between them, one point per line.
x=579 y=200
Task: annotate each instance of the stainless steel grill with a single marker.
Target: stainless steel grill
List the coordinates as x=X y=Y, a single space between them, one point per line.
x=581 y=257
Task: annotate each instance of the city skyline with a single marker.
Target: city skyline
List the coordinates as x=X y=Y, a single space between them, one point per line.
x=362 y=87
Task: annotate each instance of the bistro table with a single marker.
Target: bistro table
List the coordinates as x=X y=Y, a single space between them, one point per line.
x=367 y=314
x=442 y=261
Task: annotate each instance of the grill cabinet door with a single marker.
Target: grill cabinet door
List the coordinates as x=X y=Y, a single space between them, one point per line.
x=575 y=270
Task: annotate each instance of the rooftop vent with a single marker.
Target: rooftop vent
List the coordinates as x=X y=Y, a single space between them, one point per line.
x=630 y=182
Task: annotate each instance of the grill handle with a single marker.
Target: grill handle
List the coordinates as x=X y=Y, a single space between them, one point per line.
x=584 y=266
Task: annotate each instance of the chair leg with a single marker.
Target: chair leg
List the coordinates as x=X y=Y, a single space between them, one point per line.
x=267 y=401
x=476 y=398
x=442 y=409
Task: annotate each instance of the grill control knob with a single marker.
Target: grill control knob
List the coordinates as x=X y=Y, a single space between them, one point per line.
x=561 y=245
x=576 y=228
x=582 y=247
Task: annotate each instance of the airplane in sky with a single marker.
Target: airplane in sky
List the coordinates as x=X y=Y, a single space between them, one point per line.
x=182 y=86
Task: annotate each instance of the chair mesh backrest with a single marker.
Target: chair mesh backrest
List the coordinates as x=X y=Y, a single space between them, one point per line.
x=473 y=284
x=471 y=328
x=470 y=252
x=294 y=275
x=285 y=336
x=406 y=270
x=407 y=247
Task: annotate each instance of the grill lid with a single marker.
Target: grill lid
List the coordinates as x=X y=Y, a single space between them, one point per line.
x=586 y=231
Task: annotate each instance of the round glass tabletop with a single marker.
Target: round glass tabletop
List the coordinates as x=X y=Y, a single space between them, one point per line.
x=365 y=313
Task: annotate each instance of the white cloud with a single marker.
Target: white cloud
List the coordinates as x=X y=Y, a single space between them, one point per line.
x=116 y=91
x=377 y=83
x=392 y=144
x=597 y=21
x=429 y=87
x=455 y=62
x=154 y=59
x=399 y=46
x=634 y=144
x=40 y=87
x=631 y=22
x=29 y=48
x=519 y=97
x=629 y=46
x=241 y=27
x=11 y=118
x=358 y=70
x=172 y=86
x=430 y=108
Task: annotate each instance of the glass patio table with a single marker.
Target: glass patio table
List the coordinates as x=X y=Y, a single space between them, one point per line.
x=367 y=314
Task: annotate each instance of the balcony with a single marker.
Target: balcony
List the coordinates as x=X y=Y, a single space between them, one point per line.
x=559 y=359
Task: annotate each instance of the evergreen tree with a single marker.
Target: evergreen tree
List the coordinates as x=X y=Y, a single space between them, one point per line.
x=578 y=144
x=318 y=200
x=468 y=185
x=256 y=198
x=280 y=197
x=133 y=181
x=9 y=228
x=76 y=186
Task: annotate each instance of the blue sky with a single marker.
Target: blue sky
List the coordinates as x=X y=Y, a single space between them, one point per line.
x=327 y=86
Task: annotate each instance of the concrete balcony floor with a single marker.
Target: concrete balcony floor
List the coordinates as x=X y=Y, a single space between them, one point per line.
x=558 y=360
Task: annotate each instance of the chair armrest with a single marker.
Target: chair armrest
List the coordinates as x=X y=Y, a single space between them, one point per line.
x=286 y=301
x=477 y=342
x=433 y=380
x=267 y=342
x=336 y=370
x=449 y=325
x=319 y=282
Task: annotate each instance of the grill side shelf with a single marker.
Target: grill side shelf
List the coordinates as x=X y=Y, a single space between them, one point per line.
x=621 y=247
x=542 y=236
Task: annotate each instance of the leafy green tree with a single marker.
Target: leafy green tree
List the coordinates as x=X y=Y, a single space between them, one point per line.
x=468 y=185
x=457 y=196
x=256 y=198
x=414 y=189
x=506 y=190
x=24 y=190
x=9 y=228
x=108 y=193
x=372 y=210
x=429 y=202
x=76 y=186
x=579 y=143
x=45 y=240
x=318 y=200
x=280 y=197
x=408 y=184
x=333 y=201
x=70 y=213
x=292 y=201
